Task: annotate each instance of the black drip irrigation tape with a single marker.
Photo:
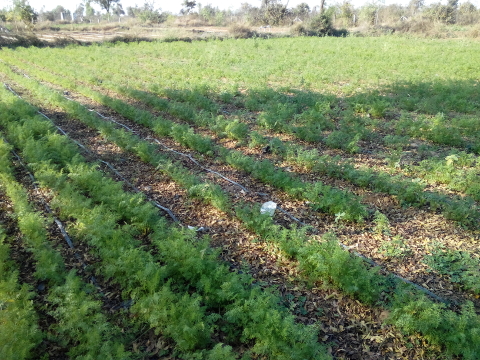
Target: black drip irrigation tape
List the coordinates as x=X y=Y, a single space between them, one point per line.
x=47 y=207
x=59 y=224
x=244 y=189
x=347 y=248
x=201 y=166
x=110 y=166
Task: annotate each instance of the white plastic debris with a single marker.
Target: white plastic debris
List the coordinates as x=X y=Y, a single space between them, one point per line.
x=201 y=228
x=268 y=208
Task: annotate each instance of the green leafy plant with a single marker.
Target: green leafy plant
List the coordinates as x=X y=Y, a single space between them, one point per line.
x=237 y=130
x=257 y=140
x=382 y=224
x=378 y=108
x=395 y=247
x=396 y=141
x=458 y=333
x=83 y=323
x=459 y=266
x=342 y=139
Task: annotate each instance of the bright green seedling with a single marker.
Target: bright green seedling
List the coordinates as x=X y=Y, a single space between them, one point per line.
x=382 y=224
x=395 y=247
x=459 y=266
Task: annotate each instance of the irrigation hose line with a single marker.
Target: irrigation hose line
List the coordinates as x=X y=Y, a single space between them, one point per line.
x=179 y=153
x=244 y=189
x=347 y=248
x=166 y=147
x=59 y=224
x=47 y=207
x=168 y=211
x=110 y=166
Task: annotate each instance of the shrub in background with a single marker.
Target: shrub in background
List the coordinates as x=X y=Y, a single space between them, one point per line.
x=319 y=25
x=239 y=31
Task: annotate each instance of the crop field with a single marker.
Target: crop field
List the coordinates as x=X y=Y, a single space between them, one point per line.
x=132 y=178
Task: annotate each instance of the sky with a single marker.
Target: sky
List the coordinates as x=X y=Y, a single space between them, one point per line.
x=174 y=6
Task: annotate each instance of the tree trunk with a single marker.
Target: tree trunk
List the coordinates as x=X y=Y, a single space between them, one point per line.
x=322 y=5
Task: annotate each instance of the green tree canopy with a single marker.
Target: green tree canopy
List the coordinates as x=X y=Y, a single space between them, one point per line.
x=188 y=5
x=106 y=4
x=22 y=11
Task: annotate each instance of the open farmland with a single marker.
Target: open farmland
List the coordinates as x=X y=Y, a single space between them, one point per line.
x=132 y=177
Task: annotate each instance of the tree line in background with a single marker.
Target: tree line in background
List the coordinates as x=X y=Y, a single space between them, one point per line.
x=268 y=13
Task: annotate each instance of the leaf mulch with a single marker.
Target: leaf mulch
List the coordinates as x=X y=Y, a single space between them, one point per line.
x=352 y=330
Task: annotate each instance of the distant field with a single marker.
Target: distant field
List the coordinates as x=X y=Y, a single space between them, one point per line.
x=156 y=157
x=92 y=34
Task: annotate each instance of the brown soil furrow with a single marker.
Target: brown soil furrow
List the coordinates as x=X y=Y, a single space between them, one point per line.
x=411 y=268
x=422 y=229
x=81 y=257
x=354 y=330
x=347 y=324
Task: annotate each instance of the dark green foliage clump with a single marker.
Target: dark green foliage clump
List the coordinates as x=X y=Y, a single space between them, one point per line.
x=319 y=25
x=459 y=266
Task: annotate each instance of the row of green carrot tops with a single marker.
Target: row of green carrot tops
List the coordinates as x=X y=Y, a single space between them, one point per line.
x=182 y=291
x=221 y=66
x=408 y=191
x=321 y=196
x=284 y=113
x=303 y=250
x=287 y=114
x=277 y=110
x=19 y=332
x=277 y=106
x=80 y=325
x=145 y=116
